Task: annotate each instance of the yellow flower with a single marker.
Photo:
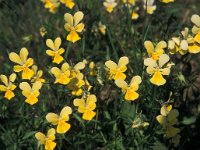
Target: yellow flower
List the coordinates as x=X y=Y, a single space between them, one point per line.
x=148 y=5
x=52 y=5
x=102 y=28
x=129 y=90
x=167 y=1
x=43 y=31
x=24 y=63
x=75 y=70
x=68 y=3
x=196 y=28
x=60 y=120
x=8 y=86
x=129 y=2
x=37 y=75
x=62 y=75
x=134 y=15
x=193 y=42
x=91 y=67
x=168 y=119
x=110 y=5
x=156 y=69
x=76 y=83
x=47 y=140
x=116 y=71
x=31 y=93
x=86 y=106
x=177 y=45
x=56 y=50
x=155 y=52
x=73 y=26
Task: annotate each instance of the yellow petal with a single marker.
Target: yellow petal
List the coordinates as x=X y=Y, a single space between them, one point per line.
x=25 y=86
x=79 y=66
x=151 y=70
x=31 y=100
x=194 y=48
x=79 y=102
x=50 y=145
x=3 y=88
x=29 y=62
x=149 y=47
x=69 y=19
x=123 y=61
x=9 y=94
x=121 y=83
x=161 y=45
x=50 y=44
x=88 y=115
x=91 y=99
x=18 y=68
x=136 y=80
x=63 y=127
x=68 y=27
x=12 y=77
x=73 y=37
x=110 y=64
x=119 y=75
x=58 y=59
x=172 y=131
x=150 y=62
x=78 y=16
x=40 y=137
x=165 y=110
x=4 y=79
x=56 y=71
x=196 y=20
x=23 y=54
x=15 y=58
x=163 y=59
x=50 y=52
x=51 y=134
x=79 y=27
x=162 y=120
x=52 y=118
x=158 y=79
x=36 y=86
x=27 y=73
x=131 y=95
x=57 y=43
x=197 y=37
x=65 y=112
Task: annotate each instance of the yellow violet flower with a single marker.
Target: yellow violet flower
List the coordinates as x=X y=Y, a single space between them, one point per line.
x=37 y=75
x=167 y=119
x=116 y=71
x=31 y=93
x=148 y=5
x=193 y=43
x=8 y=86
x=68 y=3
x=196 y=28
x=102 y=28
x=62 y=75
x=177 y=45
x=167 y=1
x=60 y=120
x=134 y=15
x=129 y=2
x=155 y=52
x=156 y=69
x=24 y=63
x=76 y=83
x=110 y=5
x=129 y=89
x=47 y=140
x=75 y=70
x=92 y=69
x=73 y=25
x=55 y=51
x=86 y=106
x=52 y=5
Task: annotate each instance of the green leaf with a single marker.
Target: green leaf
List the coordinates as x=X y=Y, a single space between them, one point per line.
x=189 y=120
